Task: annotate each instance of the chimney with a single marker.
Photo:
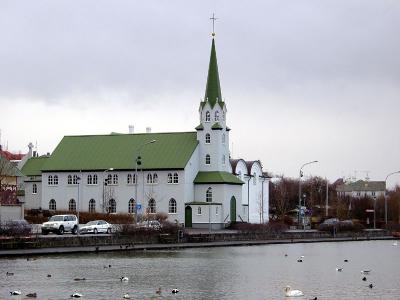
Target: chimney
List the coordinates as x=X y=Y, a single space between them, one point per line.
x=148 y=129
x=131 y=129
x=30 y=146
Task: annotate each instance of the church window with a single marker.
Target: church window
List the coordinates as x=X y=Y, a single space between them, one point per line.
x=223 y=138
x=72 y=205
x=172 y=206
x=209 y=195
x=169 y=177
x=131 y=179
x=55 y=180
x=89 y=179
x=50 y=180
x=92 y=206
x=131 y=206
x=52 y=204
x=115 y=179
x=155 y=178
x=216 y=116
x=34 y=188
x=75 y=179
x=94 y=179
x=109 y=179
x=149 y=179
x=69 y=179
x=216 y=210
x=112 y=206
x=254 y=178
x=199 y=210
x=176 y=178
x=208 y=116
x=208 y=159
x=208 y=138
x=152 y=206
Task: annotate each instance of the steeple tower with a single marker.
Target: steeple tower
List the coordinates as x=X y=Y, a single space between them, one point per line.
x=213 y=87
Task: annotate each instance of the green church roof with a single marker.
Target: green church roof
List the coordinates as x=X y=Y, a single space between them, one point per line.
x=217 y=126
x=34 y=166
x=200 y=127
x=213 y=88
x=216 y=177
x=100 y=152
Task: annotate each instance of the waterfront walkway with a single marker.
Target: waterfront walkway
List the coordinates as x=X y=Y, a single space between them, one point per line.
x=145 y=247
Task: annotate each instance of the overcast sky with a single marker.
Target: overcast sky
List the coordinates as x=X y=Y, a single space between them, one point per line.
x=302 y=80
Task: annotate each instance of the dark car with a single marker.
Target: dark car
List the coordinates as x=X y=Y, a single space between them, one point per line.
x=16 y=228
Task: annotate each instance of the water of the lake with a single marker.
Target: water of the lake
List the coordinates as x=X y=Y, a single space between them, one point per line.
x=256 y=272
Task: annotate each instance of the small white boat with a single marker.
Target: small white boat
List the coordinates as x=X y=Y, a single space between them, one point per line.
x=76 y=295
x=292 y=293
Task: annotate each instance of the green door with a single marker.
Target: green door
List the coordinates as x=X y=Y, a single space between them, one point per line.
x=188 y=216
x=233 y=209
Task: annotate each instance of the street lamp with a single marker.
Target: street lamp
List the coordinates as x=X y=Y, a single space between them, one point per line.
x=138 y=161
x=301 y=175
x=386 y=210
x=78 y=180
x=104 y=182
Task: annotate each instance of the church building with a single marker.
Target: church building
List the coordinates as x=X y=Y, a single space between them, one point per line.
x=189 y=176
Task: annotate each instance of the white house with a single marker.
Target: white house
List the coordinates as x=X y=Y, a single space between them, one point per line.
x=188 y=175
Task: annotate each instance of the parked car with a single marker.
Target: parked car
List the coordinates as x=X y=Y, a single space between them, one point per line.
x=60 y=224
x=331 y=221
x=95 y=227
x=153 y=224
x=16 y=228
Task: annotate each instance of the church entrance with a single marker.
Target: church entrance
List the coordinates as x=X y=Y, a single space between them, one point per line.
x=188 y=216
x=233 y=209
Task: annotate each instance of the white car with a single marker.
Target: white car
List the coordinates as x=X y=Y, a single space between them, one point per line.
x=60 y=224
x=95 y=227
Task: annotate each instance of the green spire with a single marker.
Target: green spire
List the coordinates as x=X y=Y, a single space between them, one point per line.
x=213 y=88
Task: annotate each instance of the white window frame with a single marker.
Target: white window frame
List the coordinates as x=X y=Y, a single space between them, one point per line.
x=216 y=116
x=176 y=178
x=169 y=178
x=199 y=212
x=208 y=116
x=52 y=204
x=34 y=189
x=92 y=206
x=172 y=206
x=209 y=195
x=208 y=139
x=208 y=159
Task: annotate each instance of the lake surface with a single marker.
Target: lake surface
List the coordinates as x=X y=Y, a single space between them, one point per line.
x=251 y=272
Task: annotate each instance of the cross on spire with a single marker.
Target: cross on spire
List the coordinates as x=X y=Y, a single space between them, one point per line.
x=213 y=18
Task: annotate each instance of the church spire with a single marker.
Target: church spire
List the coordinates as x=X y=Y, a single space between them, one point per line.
x=213 y=88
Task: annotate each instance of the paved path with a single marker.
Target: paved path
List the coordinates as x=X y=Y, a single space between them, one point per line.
x=143 y=247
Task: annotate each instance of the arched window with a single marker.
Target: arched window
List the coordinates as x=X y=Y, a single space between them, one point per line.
x=254 y=178
x=89 y=179
x=176 y=178
x=208 y=159
x=208 y=138
x=94 y=179
x=208 y=116
x=72 y=205
x=223 y=159
x=50 y=180
x=216 y=210
x=52 y=204
x=92 y=206
x=155 y=178
x=169 y=178
x=34 y=188
x=216 y=116
x=172 y=206
x=115 y=179
x=109 y=179
x=149 y=179
x=129 y=179
x=199 y=210
x=131 y=206
x=75 y=179
x=209 y=195
x=152 y=206
x=112 y=206
x=69 y=180
x=55 y=179
x=223 y=138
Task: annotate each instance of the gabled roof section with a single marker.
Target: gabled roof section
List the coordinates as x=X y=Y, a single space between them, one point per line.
x=100 y=152
x=33 y=167
x=217 y=126
x=200 y=127
x=213 y=88
x=216 y=177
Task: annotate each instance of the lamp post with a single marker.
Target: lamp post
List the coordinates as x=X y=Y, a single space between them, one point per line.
x=301 y=175
x=104 y=183
x=386 y=210
x=78 y=182
x=139 y=162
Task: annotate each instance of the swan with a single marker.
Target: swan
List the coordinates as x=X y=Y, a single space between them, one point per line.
x=123 y=278
x=175 y=291
x=126 y=296
x=76 y=295
x=339 y=269
x=15 y=293
x=292 y=293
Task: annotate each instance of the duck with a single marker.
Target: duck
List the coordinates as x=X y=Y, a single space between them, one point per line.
x=286 y=255
x=126 y=296
x=9 y=274
x=124 y=278
x=370 y=286
x=175 y=291
x=158 y=292
x=31 y=295
x=292 y=293
x=15 y=293
x=299 y=260
x=339 y=269
x=79 y=279
x=315 y=298
x=76 y=295
x=364 y=278
x=366 y=272
x=346 y=260
x=48 y=275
